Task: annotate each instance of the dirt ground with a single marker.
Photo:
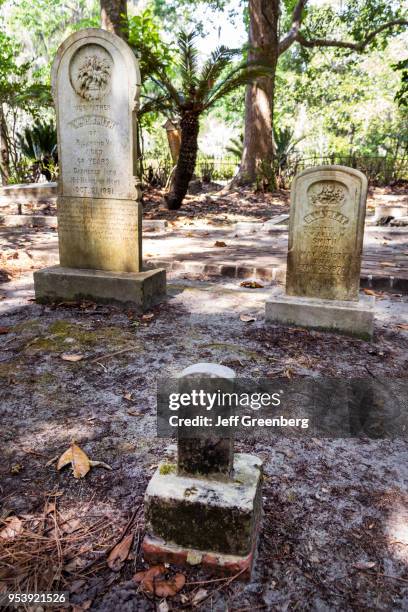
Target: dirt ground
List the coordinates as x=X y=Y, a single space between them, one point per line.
x=334 y=533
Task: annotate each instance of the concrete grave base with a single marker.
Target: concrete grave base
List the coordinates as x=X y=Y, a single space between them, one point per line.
x=351 y=318
x=140 y=289
x=210 y=520
x=156 y=550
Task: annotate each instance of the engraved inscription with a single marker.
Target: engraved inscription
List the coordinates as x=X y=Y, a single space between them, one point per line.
x=324 y=245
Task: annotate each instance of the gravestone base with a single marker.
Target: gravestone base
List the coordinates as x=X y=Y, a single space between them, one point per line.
x=156 y=551
x=139 y=289
x=346 y=317
x=209 y=520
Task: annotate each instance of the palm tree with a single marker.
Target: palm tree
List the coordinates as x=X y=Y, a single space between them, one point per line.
x=199 y=90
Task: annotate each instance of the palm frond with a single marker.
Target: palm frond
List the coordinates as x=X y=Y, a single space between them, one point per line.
x=219 y=59
x=241 y=75
x=188 y=61
x=151 y=104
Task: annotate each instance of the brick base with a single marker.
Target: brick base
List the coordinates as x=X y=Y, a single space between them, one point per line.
x=155 y=550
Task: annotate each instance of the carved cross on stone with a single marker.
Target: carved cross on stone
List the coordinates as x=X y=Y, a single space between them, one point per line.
x=212 y=455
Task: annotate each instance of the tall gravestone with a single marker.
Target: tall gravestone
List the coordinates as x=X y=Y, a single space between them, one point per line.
x=326 y=232
x=96 y=82
x=206 y=508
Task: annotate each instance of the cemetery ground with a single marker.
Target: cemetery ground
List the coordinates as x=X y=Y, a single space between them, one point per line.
x=335 y=527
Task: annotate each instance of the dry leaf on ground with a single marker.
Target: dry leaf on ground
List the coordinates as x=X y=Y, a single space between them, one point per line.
x=119 y=553
x=13 y=526
x=153 y=581
x=77 y=458
x=219 y=243
x=247 y=318
x=402 y=325
x=5 y=330
x=198 y=597
x=72 y=356
x=251 y=285
x=363 y=565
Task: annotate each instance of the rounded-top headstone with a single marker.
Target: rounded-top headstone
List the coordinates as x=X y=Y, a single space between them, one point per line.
x=212 y=370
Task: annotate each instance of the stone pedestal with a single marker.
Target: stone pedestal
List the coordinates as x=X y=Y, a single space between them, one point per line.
x=205 y=509
x=139 y=289
x=208 y=521
x=347 y=317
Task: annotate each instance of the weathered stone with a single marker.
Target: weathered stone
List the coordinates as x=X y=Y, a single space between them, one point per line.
x=141 y=290
x=213 y=454
x=326 y=233
x=207 y=514
x=352 y=318
x=96 y=82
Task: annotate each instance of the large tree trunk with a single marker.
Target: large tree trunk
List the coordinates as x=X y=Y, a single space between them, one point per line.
x=257 y=157
x=4 y=150
x=114 y=17
x=190 y=126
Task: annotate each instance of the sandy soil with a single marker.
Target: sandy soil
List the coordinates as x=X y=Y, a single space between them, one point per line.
x=334 y=533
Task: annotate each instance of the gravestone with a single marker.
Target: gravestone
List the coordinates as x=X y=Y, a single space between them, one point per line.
x=96 y=82
x=326 y=232
x=206 y=507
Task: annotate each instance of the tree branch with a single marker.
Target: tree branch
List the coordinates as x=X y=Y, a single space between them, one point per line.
x=360 y=46
x=290 y=37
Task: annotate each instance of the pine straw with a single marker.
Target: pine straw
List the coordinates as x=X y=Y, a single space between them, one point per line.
x=48 y=555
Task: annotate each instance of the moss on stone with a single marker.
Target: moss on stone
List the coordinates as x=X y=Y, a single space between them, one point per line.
x=167 y=468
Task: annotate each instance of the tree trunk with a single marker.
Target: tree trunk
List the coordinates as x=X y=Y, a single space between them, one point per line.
x=190 y=127
x=257 y=157
x=114 y=17
x=4 y=150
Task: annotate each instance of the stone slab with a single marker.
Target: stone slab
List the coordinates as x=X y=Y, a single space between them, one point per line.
x=28 y=220
x=208 y=514
x=156 y=550
x=101 y=234
x=326 y=231
x=142 y=289
x=351 y=318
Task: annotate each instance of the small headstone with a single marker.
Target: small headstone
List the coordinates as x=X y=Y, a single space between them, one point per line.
x=326 y=232
x=96 y=82
x=212 y=455
x=206 y=508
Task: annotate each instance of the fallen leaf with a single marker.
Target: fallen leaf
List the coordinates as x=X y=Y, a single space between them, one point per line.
x=152 y=581
x=5 y=330
x=49 y=508
x=247 y=318
x=65 y=459
x=127 y=396
x=77 y=458
x=99 y=464
x=16 y=468
x=198 y=597
x=402 y=326
x=72 y=356
x=369 y=292
x=134 y=413
x=163 y=606
x=119 y=553
x=362 y=565
x=13 y=527
x=251 y=285
x=148 y=316
x=219 y=243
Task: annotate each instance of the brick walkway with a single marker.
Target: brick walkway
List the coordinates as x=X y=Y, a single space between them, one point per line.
x=260 y=254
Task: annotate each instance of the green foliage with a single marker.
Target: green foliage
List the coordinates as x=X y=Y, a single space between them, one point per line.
x=145 y=38
x=38 y=141
x=402 y=94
